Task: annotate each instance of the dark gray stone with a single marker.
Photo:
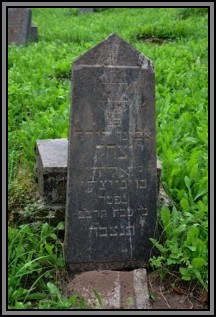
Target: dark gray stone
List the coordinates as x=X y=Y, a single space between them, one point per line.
x=55 y=152
x=51 y=169
x=33 y=35
x=112 y=175
x=19 y=24
x=85 y=10
x=118 y=55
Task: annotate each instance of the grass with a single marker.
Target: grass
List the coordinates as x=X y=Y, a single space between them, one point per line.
x=34 y=257
x=176 y=40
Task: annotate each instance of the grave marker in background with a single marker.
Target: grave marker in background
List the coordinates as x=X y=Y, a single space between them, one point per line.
x=33 y=33
x=85 y=10
x=19 y=24
x=20 y=28
x=111 y=181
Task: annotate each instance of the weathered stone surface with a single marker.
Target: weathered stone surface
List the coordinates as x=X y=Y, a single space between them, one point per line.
x=114 y=52
x=111 y=184
x=117 y=289
x=51 y=169
x=85 y=10
x=53 y=210
x=19 y=24
x=58 y=165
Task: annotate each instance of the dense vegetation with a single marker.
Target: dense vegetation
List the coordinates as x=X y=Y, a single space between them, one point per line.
x=176 y=40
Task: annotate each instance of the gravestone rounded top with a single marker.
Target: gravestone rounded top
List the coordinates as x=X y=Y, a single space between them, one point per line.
x=114 y=51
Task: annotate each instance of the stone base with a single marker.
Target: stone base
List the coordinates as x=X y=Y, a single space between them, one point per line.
x=91 y=266
x=116 y=289
x=51 y=169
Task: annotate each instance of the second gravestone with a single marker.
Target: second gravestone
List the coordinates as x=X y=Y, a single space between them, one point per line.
x=111 y=182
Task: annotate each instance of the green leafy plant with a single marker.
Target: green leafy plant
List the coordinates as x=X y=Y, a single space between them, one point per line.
x=56 y=301
x=185 y=13
x=33 y=254
x=183 y=247
x=98 y=297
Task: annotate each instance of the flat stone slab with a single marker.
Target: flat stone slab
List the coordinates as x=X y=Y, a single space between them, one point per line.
x=53 y=153
x=117 y=289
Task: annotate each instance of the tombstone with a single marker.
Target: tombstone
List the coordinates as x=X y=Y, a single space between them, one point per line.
x=33 y=34
x=85 y=10
x=19 y=24
x=111 y=182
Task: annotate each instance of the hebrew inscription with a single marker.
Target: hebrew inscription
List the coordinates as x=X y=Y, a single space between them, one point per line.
x=111 y=193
